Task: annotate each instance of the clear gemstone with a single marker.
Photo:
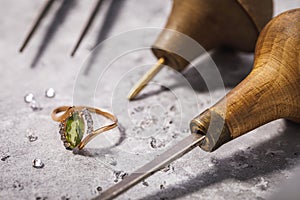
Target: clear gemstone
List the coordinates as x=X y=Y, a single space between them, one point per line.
x=37 y=163
x=67 y=145
x=61 y=131
x=119 y=175
x=89 y=121
x=50 y=93
x=28 y=98
x=35 y=106
x=31 y=135
x=61 y=126
x=154 y=143
x=63 y=138
x=166 y=169
x=145 y=183
x=99 y=189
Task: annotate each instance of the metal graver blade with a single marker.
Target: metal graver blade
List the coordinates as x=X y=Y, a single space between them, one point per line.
x=181 y=148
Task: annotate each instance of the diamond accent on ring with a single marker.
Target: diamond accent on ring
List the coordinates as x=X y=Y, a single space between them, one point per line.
x=89 y=121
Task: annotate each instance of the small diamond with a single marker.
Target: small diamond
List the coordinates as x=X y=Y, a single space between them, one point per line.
x=61 y=131
x=31 y=135
x=166 y=169
x=37 y=163
x=35 y=106
x=29 y=98
x=145 y=183
x=99 y=189
x=119 y=175
x=61 y=126
x=85 y=111
x=66 y=144
x=89 y=120
x=50 y=93
x=63 y=138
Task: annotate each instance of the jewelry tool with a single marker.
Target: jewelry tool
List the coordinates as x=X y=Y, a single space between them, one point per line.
x=232 y=23
x=271 y=91
x=36 y=23
x=87 y=26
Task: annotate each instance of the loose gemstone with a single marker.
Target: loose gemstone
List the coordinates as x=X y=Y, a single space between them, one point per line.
x=28 y=98
x=99 y=189
x=31 y=135
x=35 y=106
x=50 y=93
x=119 y=175
x=37 y=163
x=74 y=129
x=145 y=183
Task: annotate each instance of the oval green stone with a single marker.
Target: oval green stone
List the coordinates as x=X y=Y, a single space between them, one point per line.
x=74 y=129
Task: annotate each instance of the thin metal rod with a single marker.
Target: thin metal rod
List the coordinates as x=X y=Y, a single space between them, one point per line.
x=155 y=165
x=87 y=26
x=36 y=23
x=146 y=78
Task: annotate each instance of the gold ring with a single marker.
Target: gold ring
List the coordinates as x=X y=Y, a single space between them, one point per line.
x=76 y=122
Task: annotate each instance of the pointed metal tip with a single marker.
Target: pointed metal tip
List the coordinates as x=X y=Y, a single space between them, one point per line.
x=175 y=152
x=133 y=93
x=146 y=79
x=73 y=53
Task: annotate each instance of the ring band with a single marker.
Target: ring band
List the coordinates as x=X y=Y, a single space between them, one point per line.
x=76 y=122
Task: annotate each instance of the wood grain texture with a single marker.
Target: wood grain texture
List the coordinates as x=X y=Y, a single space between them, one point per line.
x=212 y=24
x=272 y=90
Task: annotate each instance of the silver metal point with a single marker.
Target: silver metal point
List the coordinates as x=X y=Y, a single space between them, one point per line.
x=181 y=148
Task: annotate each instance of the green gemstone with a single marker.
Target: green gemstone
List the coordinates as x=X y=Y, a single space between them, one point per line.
x=74 y=129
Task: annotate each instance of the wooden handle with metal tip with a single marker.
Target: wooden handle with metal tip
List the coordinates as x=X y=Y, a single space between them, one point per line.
x=213 y=23
x=271 y=91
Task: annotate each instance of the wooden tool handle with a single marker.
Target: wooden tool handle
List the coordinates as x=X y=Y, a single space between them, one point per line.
x=213 y=23
x=271 y=91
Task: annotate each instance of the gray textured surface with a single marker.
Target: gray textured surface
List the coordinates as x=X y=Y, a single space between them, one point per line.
x=251 y=167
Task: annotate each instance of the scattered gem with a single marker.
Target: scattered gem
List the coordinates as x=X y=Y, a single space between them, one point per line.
x=162 y=186
x=262 y=184
x=65 y=198
x=18 y=185
x=99 y=189
x=35 y=106
x=37 y=163
x=119 y=175
x=139 y=109
x=145 y=183
x=29 y=98
x=111 y=160
x=50 y=93
x=5 y=158
x=154 y=144
x=172 y=108
x=167 y=168
x=31 y=135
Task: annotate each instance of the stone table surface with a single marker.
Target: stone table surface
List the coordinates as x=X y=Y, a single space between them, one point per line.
x=254 y=166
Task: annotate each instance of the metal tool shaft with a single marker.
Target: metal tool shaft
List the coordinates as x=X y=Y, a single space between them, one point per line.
x=146 y=78
x=87 y=26
x=36 y=23
x=155 y=165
